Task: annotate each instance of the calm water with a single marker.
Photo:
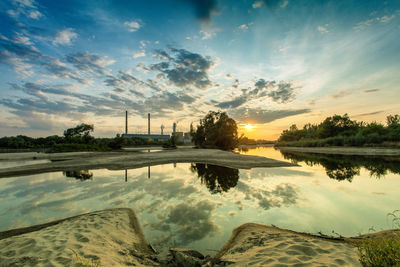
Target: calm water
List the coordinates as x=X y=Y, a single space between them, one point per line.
x=197 y=206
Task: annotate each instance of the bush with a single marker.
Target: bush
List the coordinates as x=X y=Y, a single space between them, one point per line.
x=380 y=252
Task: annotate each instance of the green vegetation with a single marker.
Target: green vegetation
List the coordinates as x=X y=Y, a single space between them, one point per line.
x=342 y=131
x=216 y=130
x=172 y=142
x=382 y=251
x=74 y=139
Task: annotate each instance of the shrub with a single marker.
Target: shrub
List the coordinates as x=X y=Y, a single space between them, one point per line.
x=380 y=252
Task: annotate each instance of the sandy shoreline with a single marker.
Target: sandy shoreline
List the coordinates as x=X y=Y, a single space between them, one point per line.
x=114 y=237
x=126 y=160
x=362 y=151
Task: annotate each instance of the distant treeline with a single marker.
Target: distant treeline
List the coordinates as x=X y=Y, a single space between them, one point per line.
x=342 y=131
x=250 y=142
x=74 y=139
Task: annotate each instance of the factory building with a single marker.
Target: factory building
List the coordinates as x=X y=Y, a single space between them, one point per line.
x=154 y=137
x=182 y=137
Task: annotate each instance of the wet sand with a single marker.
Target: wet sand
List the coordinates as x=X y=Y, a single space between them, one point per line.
x=127 y=160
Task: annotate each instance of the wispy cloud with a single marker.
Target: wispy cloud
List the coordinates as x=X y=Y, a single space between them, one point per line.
x=133 y=25
x=323 y=29
x=139 y=54
x=65 y=37
x=27 y=8
x=369 y=22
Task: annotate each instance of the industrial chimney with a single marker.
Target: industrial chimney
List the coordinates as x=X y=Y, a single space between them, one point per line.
x=148 y=123
x=126 y=122
x=162 y=129
x=174 y=127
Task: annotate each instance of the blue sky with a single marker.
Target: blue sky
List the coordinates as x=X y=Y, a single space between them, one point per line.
x=271 y=63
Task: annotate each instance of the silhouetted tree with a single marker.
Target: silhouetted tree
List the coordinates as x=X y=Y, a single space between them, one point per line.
x=216 y=130
x=79 y=134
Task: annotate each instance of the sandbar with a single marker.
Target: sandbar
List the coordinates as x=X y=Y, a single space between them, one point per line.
x=127 y=160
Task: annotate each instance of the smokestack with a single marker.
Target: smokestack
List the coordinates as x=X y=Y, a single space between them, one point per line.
x=174 y=127
x=148 y=129
x=126 y=122
x=162 y=129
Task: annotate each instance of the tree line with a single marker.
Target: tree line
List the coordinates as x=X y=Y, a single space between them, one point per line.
x=78 y=138
x=340 y=130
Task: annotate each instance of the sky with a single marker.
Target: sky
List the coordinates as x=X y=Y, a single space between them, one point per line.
x=268 y=63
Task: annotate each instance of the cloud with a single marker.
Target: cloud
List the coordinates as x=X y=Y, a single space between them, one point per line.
x=270 y=3
x=204 y=8
x=368 y=114
x=139 y=54
x=282 y=195
x=386 y=19
x=20 y=39
x=341 y=94
x=236 y=102
x=18 y=55
x=279 y=92
x=323 y=29
x=90 y=62
x=208 y=33
x=369 y=22
x=371 y=90
x=184 y=68
x=65 y=37
x=193 y=220
x=133 y=26
x=258 y=4
x=24 y=7
x=243 y=27
x=263 y=116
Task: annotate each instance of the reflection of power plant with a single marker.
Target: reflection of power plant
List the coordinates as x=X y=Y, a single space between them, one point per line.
x=181 y=136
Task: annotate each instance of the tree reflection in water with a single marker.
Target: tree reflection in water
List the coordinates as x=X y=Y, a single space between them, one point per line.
x=218 y=179
x=345 y=167
x=80 y=175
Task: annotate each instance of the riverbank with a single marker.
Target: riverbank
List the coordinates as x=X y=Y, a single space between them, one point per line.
x=133 y=159
x=114 y=238
x=362 y=151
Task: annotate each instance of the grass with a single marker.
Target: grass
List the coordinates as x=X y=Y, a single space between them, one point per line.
x=83 y=262
x=382 y=251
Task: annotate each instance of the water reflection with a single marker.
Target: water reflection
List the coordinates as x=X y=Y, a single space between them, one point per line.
x=79 y=175
x=345 y=167
x=218 y=179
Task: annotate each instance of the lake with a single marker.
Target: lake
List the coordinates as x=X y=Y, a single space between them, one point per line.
x=197 y=205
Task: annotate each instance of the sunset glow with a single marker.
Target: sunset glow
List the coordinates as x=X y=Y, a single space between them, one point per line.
x=248 y=126
x=274 y=63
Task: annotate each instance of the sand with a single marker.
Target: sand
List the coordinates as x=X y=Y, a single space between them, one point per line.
x=113 y=236
x=362 y=151
x=261 y=245
x=127 y=160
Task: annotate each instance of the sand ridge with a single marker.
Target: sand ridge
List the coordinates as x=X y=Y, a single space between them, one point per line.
x=261 y=245
x=113 y=236
x=125 y=160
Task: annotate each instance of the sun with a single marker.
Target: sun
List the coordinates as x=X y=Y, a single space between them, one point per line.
x=249 y=126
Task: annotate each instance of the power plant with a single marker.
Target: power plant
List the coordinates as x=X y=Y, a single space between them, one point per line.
x=181 y=136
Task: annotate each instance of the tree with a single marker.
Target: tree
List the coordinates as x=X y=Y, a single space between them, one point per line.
x=216 y=130
x=79 y=134
x=393 y=120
